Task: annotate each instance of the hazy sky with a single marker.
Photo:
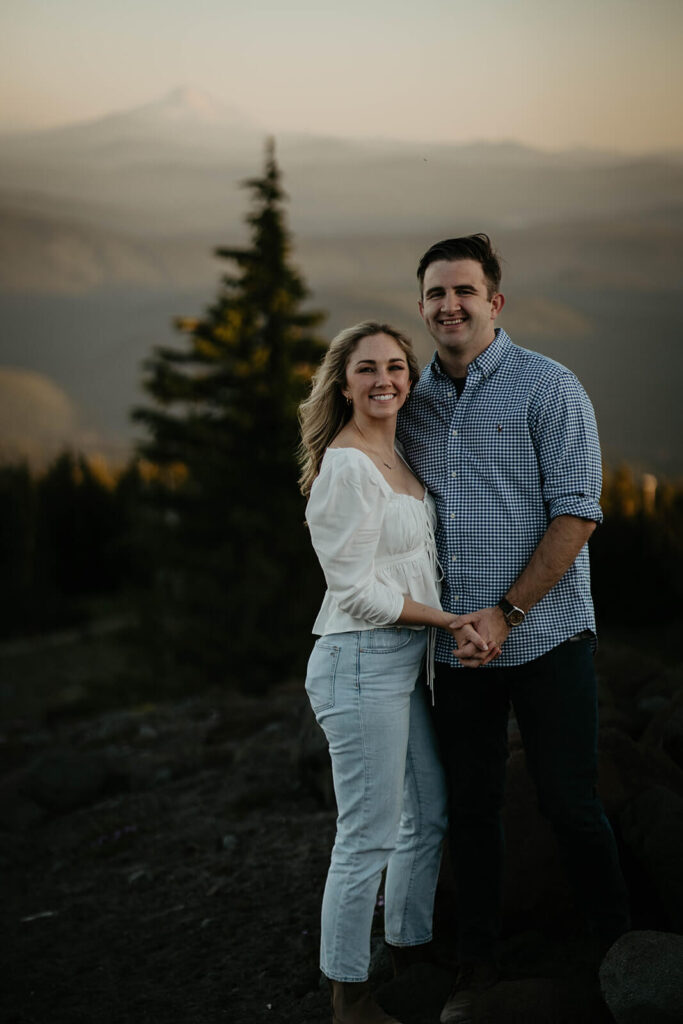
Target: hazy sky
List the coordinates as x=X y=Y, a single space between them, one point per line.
x=603 y=73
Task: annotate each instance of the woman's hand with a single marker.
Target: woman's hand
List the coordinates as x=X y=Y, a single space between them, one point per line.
x=472 y=650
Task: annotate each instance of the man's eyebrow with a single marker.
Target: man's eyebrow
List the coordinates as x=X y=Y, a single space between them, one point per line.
x=434 y=289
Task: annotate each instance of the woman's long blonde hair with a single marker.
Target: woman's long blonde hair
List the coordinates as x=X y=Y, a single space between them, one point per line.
x=323 y=414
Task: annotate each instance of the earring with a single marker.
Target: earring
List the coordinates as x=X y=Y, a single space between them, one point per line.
x=348 y=400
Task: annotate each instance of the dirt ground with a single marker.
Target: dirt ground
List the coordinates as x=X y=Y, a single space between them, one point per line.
x=163 y=860
x=162 y=863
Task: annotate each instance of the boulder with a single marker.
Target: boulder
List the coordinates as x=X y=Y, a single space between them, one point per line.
x=665 y=730
x=642 y=978
x=540 y=1000
x=628 y=768
x=17 y=811
x=62 y=779
x=652 y=829
x=419 y=994
x=311 y=758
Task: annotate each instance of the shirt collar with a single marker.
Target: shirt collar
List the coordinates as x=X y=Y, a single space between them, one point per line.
x=486 y=363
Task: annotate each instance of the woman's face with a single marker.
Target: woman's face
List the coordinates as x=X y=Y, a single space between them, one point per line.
x=377 y=377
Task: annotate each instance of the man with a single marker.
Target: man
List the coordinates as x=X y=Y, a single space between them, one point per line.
x=506 y=441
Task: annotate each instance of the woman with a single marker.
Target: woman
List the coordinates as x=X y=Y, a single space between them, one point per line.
x=372 y=526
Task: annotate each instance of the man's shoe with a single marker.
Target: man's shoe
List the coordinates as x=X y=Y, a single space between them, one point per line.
x=472 y=979
x=353 y=1004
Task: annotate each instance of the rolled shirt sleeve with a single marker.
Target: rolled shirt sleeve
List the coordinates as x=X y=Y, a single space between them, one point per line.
x=565 y=435
x=344 y=514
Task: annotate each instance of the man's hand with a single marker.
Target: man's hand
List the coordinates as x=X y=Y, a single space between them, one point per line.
x=478 y=643
x=556 y=551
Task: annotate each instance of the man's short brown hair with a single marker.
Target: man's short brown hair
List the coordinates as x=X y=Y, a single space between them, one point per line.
x=470 y=247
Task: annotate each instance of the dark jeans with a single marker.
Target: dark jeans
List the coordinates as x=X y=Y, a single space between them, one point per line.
x=555 y=702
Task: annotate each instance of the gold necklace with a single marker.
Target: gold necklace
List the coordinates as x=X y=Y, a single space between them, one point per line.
x=371 y=451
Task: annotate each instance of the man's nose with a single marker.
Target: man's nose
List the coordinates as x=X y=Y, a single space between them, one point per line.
x=450 y=302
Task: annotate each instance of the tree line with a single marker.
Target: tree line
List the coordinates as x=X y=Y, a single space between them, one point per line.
x=205 y=527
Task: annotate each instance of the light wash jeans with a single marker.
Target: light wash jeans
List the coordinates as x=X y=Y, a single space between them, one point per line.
x=390 y=791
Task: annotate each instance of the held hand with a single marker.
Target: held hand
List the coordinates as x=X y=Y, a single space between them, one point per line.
x=473 y=650
x=489 y=626
x=472 y=657
x=464 y=633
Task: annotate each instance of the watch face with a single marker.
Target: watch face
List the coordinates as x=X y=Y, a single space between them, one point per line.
x=515 y=617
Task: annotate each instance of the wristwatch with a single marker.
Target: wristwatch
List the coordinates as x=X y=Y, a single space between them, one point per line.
x=514 y=616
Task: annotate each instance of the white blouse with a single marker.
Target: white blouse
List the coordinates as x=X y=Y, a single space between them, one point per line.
x=375 y=546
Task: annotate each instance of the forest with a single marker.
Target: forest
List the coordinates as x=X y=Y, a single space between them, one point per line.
x=165 y=802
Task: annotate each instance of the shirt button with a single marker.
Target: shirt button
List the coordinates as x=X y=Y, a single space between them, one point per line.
x=454 y=558
x=456 y=597
x=454 y=433
x=454 y=474
x=452 y=515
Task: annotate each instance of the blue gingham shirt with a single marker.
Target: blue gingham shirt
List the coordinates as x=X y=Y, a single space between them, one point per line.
x=518 y=448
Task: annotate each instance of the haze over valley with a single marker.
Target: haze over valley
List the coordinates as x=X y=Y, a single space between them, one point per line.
x=107 y=230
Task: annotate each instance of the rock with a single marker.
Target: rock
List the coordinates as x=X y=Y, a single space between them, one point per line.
x=420 y=993
x=672 y=738
x=628 y=768
x=642 y=978
x=625 y=674
x=665 y=683
x=652 y=828
x=651 y=706
x=63 y=779
x=311 y=758
x=665 y=731
x=17 y=812
x=539 y=1000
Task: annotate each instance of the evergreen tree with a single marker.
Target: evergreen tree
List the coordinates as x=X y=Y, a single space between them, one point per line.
x=230 y=538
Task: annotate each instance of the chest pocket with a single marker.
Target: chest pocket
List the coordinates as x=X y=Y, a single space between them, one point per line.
x=499 y=447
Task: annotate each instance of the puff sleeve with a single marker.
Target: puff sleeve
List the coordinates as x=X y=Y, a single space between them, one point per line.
x=344 y=513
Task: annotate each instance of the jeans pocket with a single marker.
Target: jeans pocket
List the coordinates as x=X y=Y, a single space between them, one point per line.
x=385 y=639
x=320 y=676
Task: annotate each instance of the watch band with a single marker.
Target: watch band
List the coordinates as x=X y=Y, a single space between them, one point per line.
x=514 y=616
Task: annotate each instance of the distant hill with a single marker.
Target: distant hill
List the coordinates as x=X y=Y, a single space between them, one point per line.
x=107 y=230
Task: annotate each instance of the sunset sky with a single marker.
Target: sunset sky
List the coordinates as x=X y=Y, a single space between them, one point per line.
x=600 y=73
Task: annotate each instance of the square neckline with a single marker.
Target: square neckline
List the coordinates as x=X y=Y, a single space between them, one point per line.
x=399 y=494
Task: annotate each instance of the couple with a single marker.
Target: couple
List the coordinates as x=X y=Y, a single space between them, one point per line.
x=465 y=548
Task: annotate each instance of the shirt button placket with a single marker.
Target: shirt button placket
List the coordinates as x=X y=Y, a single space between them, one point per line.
x=455 y=463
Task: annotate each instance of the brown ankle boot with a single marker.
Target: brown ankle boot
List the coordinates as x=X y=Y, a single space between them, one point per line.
x=353 y=1004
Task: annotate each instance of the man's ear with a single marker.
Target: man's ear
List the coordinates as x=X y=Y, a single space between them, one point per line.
x=420 y=306
x=497 y=303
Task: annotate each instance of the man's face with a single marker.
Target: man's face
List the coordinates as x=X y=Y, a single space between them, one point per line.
x=457 y=310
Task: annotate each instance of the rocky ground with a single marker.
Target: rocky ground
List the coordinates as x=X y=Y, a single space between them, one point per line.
x=163 y=858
